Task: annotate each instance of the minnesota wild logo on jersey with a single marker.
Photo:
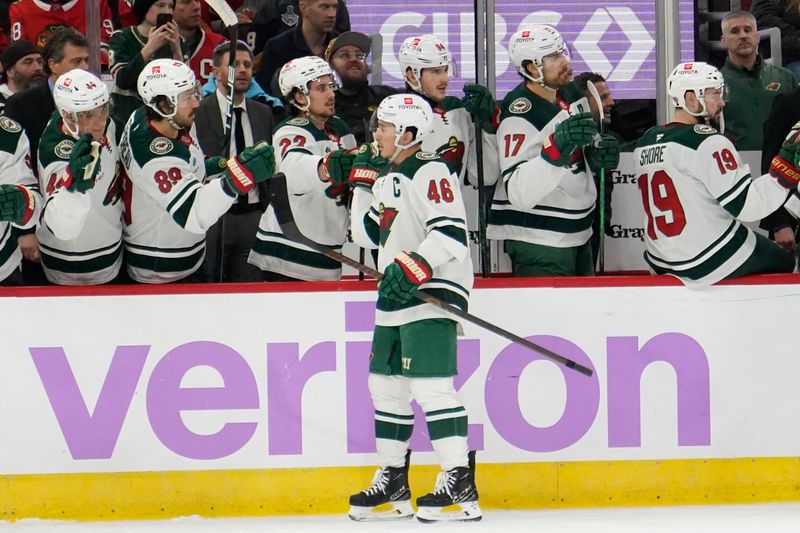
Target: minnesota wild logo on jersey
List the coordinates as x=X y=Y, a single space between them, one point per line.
x=453 y=154
x=387 y=216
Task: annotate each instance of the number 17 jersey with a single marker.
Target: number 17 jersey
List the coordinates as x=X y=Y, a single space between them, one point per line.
x=695 y=189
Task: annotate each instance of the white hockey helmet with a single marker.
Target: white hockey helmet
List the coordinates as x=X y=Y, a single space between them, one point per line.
x=167 y=78
x=694 y=76
x=533 y=43
x=298 y=73
x=424 y=51
x=406 y=111
x=78 y=91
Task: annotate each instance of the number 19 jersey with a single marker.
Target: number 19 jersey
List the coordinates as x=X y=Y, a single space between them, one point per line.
x=695 y=189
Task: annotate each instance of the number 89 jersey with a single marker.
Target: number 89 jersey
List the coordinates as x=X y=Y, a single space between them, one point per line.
x=694 y=187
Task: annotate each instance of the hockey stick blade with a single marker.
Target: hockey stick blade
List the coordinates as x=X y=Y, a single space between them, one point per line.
x=279 y=199
x=224 y=11
x=88 y=170
x=597 y=100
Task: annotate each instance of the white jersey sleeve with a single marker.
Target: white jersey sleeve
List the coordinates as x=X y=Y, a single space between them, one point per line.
x=171 y=182
x=491 y=164
x=728 y=180
x=15 y=169
x=365 y=216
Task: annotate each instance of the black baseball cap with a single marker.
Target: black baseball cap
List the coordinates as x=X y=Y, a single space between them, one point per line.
x=15 y=51
x=348 y=38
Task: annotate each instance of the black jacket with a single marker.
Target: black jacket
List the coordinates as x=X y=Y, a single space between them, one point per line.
x=277 y=52
x=356 y=109
x=780 y=14
x=32 y=109
x=274 y=17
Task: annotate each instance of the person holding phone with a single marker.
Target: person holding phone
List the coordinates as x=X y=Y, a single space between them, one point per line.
x=154 y=37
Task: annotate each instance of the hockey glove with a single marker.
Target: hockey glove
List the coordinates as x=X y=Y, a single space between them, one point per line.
x=401 y=278
x=783 y=166
x=84 y=164
x=16 y=204
x=603 y=153
x=479 y=101
x=367 y=166
x=339 y=192
x=577 y=130
x=336 y=165
x=254 y=165
x=215 y=165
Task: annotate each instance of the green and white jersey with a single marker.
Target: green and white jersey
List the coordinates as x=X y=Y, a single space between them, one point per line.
x=417 y=207
x=299 y=148
x=168 y=209
x=694 y=187
x=538 y=202
x=453 y=139
x=15 y=169
x=80 y=234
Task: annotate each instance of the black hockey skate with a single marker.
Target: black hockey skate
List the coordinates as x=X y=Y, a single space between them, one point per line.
x=389 y=486
x=454 y=487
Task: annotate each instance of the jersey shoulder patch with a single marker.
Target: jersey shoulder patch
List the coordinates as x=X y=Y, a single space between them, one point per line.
x=54 y=145
x=520 y=106
x=298 y=121
x=426 y=156
x=161 y=145
x=10 y=125
x=704 y=129
x=146 y=144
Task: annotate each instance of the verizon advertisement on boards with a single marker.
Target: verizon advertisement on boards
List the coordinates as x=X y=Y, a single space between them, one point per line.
x=278 y=380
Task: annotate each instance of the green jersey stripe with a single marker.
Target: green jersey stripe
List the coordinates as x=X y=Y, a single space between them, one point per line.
x=508 y=217
x=86 y=266
x=709 y=265
x=191 y=186
x=291 y=254
x=163 y=264
x=734 y=226
x=84 y=253
x=457 y=234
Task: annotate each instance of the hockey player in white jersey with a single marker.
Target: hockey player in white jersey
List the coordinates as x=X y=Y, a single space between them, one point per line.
x=20 y=202
x=315 y=151
x=168 y=208
x=414 y=215
x=696 y=188
x=80 y=233
x=546 y=137
x=426 y=64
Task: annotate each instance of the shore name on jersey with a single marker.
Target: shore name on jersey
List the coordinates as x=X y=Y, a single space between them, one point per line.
x=654 y=154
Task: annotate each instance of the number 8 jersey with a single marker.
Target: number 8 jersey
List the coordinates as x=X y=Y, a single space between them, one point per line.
x=695 y=190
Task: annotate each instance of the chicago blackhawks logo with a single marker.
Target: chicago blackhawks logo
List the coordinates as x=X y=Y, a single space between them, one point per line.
x=453 y=154
x=49 y=30
x=387 y=214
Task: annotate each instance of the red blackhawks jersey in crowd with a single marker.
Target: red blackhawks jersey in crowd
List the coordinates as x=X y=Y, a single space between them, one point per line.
x=200 y=60
x=36 y=20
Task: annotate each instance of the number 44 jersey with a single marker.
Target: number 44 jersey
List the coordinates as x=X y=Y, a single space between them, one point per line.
x=695 y=190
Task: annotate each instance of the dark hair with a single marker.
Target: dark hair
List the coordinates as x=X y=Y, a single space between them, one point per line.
x=583 y=79
x=225 y=46
x=54 y=49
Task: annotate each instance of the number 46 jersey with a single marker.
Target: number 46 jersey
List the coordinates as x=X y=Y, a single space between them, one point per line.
x=695 y=190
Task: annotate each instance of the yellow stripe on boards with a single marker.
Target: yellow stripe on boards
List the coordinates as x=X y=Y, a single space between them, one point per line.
x=217 y=493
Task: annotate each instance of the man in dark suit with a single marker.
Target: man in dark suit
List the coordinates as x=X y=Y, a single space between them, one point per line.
x=252 y=123
x=67 y=49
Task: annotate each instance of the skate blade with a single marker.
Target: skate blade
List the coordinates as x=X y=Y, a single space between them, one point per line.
x=398 y=511
x=462 y=512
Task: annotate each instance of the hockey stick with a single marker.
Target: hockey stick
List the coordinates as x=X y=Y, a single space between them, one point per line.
x=279 y=199
x=602 y=237
x=231 y=22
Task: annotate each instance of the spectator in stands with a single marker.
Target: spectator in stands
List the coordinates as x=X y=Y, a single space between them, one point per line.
x=252 y=123
x=273 y=17
x=356 y=99
x=310 y=37
x=198 y=44
x=133 y=47
x=784 y=15
x=38 y=20
x=751 y=83
x=32 y=108
x=607 y=101
x=22 y=67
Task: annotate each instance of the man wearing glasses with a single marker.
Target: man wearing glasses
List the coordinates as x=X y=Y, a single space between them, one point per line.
x=168 y=208
x=356 y=99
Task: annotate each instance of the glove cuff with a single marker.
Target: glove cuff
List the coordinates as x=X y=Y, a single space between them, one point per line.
x=415 y=268
x=552 y=154
x=363 y=176
x=29 y=205
x=786 y=174
x=239 y=176
x=324 y=167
